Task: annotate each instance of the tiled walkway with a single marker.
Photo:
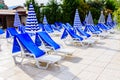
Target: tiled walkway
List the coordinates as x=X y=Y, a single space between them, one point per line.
x=100 y=62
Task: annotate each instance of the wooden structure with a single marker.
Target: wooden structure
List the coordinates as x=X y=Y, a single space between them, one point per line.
x=7 y=16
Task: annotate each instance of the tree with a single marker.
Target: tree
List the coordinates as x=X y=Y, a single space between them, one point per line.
x=69 y=7
x=110 y=4
x=1 y=6
x=117 y=14
x=83 y=9
x=53 y=11
x=36 y=7
x=95 y=7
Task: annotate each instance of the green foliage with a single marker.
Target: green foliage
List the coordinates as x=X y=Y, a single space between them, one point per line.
x=95 y=8
x=1 y=6
x=83 y=9
x=52 y=11
x=110 y=4
x=95 y=14
x=69 y=7
x=117 y=15
x=117 y=4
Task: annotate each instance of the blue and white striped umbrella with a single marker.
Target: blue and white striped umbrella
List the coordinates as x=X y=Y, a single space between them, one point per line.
x=77 y=21
x=109 y=18
x=89 y=19
x=84 y=22
x=17 y=22
x=101 y=18
x=45 y=20
x=31 y=22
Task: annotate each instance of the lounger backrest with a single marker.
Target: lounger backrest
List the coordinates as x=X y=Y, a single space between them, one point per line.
x=55 y=28
x=11 y=32
x=92 y=28
x=29 y=45
x=48 y=40
x=88 y=28
x=59 y=25
x=74 y=35
x=71 y=32
x=105 y=26
x=65 y=34
x=102 y=26
x=69 y=26
x=48 y=28
x=1 y=31
x=83 y=33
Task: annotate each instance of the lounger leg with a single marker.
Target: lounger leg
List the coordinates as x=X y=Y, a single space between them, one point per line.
x=41 y=67
x=16 y=62
x=14 y=58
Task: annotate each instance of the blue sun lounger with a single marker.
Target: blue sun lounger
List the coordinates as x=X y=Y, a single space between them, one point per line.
x=1 y=31
x=24 y=44
x=83 y=33
x=55 y=28
x=48 y=28
x=77 y=38
x=95 y=30
x=10 y=33
x=43 y=37
x=103 y=27
x=71 y=32
x=92 y=29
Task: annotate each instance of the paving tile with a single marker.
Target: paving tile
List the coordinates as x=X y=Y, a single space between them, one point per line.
x=104 y=58
x=66 y=75
x=114 y=66
x=109 y=74
x=20 y=76
x=2 y=78
x=87 y=62
x=94 y=69
x=86 y=75
x=99 y=64
x=47 y=75
x=11 y=72
x=71 y=72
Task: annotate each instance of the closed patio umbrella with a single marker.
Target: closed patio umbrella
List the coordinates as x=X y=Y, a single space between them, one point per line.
x=31 y=22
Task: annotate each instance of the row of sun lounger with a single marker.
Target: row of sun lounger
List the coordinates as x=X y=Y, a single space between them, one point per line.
x=24 y=46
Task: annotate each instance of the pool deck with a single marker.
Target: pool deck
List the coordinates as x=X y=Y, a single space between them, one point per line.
x=99 y=62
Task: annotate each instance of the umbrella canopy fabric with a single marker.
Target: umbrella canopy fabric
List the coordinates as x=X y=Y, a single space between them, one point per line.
x=109 y=18
x=102 y=18
x=86 y=17
x=45 y=20
x=17 y=22
x=77 y=21
x=85 y=20
x=89 y=18
x=31 y=22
